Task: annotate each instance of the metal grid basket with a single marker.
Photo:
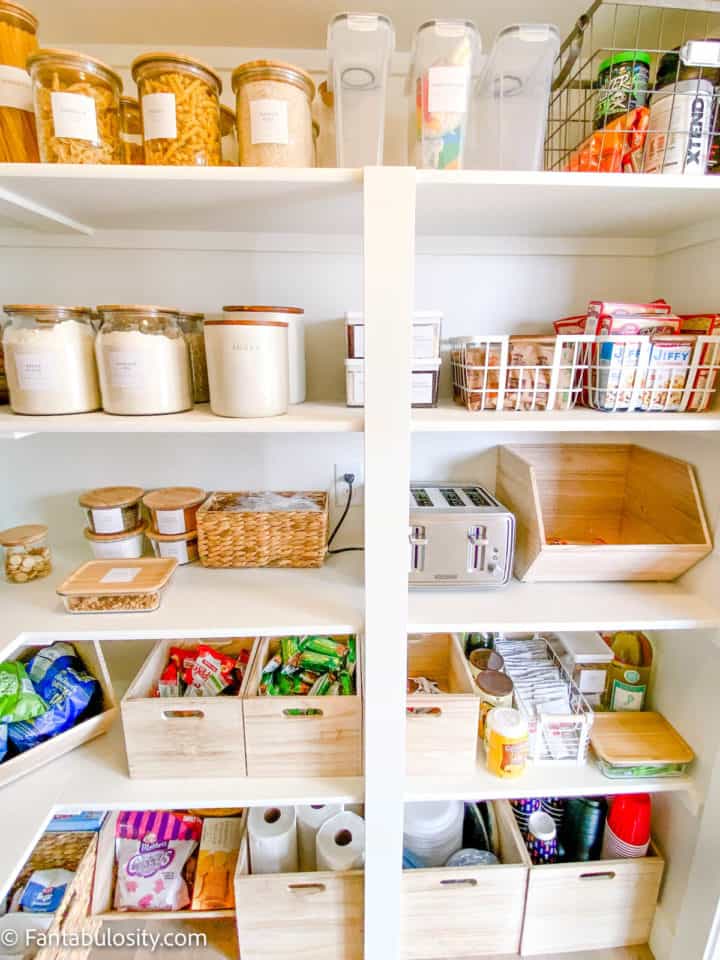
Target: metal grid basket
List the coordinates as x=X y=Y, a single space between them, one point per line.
x=636 y=89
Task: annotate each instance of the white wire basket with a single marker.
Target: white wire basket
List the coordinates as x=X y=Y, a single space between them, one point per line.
x=614 y=374
x=636 y=89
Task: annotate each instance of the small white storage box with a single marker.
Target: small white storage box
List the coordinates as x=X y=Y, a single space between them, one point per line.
x=427 y=326
x=424 y=386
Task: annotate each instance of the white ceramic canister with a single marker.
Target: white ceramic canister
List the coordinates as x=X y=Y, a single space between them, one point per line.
x=128 y=545
x=247 y=358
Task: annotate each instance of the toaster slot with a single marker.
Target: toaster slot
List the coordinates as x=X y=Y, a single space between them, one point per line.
x=477 y=543
x=418 y=544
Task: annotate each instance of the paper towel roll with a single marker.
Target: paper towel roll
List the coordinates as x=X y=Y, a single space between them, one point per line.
x=272 y=832
x=309 y=821
x=340 y=843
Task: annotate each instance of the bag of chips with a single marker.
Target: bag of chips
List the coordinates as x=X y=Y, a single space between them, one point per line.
x=18 y=700
x=69 y=694
x=49 y=661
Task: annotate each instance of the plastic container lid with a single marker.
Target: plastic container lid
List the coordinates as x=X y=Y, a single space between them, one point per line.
x=23 y=536
x=107 y=498
x=586 y=647
x=424 y=819
x=508 y=722
x=174 y=498
x=627 y=56
x=113 y=537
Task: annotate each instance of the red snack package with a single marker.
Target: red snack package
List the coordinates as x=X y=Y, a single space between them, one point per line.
x=617 y=148
x=241 y=666
x=169 y=682
x=569 y=326
x=210 y=674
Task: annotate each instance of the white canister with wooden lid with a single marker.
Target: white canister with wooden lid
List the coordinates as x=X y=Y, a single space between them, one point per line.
x=247 y=358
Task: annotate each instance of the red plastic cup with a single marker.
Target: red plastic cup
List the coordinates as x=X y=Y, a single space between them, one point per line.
x=629 y=818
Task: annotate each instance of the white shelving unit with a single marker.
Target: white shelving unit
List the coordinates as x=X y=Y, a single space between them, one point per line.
x=335 y=240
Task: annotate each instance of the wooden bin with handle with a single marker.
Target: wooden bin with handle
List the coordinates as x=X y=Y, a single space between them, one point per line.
x=601 y=512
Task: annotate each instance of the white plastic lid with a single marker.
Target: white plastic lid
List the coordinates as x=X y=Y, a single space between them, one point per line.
x=428 y=818
x=586 y=647
x=542 y=826
x=508 y=722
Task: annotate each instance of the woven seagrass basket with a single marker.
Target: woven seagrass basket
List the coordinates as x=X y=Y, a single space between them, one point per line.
x=229 y=537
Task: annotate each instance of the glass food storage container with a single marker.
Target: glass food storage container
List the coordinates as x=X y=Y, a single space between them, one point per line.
x=18 y=39
x=191 y=325
x=50 y=359
x=228 y=132
x=112 y=509
x=440 y=80
x=274 y=122
x=27 y=554
x=129 y=545
x=174 y=509
x=180 y=104
x=360 y=47
x=143 y=361
x=183 y=547
x=77 y=107
x=131 y=139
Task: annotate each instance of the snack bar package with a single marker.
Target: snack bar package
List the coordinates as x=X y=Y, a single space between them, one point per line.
x=219 y=851
x=151 y=848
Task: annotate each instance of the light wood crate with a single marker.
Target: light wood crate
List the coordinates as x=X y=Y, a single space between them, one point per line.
x=279 y=744
x=90 y=652
x=184 y=737
x=591 y=906
x=444 y=742
x=103 y=887
x=468 y=911
x=645 y=506
x=306 y=916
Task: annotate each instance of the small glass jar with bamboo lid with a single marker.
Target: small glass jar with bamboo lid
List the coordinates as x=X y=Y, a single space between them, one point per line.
x=27 y=554
x=274 y=122
x=180 y=105
x=18 y=39
x=77 y=107
x=131 y=133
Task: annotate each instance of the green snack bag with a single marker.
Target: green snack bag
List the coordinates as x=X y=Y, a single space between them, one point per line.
x=325 y=645
x=319 y=662
x=18 y=700
x=321 y=686
x=289 y=646
x=351 y=659
x=346 y=684
x=284 y=685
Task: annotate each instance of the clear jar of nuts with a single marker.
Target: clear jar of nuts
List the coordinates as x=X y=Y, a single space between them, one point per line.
x=77 y=107
x=180 y=103
x=27 y=554
x=131 y=139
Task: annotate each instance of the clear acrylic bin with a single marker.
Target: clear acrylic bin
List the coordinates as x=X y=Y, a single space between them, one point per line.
x=510 y=105
x=359 y=48
x=439 y=90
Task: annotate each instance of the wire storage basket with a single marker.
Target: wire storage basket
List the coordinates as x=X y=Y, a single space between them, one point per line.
x=636 y=90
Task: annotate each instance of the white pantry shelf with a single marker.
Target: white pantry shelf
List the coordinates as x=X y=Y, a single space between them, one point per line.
x=82 y=199
x=522 y=607
x=300 y=418
x=199 y=602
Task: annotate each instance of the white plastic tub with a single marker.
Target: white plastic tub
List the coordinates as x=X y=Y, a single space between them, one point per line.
x=128 y=545
x=427 y=325
x=424 y=388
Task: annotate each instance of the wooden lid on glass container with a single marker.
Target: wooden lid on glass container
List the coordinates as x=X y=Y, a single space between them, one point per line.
x=105 y=498
x=274 y=70
x=174 y=498
x=23 y=536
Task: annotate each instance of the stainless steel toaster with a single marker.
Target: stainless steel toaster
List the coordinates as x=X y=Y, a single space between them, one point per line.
x=460 y=536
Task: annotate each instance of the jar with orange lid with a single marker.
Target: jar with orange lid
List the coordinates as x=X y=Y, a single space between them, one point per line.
x=18 y=39
x=77 y=107
x=131 y=138
x=274 y=121
x=228 y=132
x=180 y=106
x=27 y=554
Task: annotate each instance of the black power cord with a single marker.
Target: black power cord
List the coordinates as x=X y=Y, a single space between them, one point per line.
x=349 y=479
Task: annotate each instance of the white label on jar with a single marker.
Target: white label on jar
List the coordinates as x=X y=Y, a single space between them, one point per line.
x=422 y=387
x=126 y=369
x=447 y=89
x=158 y=113
x=175 y=548
x=121 y=575
x=423 y=342
x=171 y=521
x=36 y=371
x=269 y=121
x=74 y=116
x=107 y=521
x=15 y=88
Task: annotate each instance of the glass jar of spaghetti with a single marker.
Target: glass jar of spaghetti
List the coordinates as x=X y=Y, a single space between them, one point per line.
x=18 y=140
x=131 y=139
x=180 y=103
x=77 y=107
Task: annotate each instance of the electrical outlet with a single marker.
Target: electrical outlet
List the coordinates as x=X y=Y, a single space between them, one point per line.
x=341 y=487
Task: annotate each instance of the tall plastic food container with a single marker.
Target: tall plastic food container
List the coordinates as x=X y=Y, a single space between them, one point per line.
x=439 y=87
x=360 y=47
x=510 y=106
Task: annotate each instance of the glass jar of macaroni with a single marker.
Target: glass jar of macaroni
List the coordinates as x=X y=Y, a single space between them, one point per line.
x=131 y=139
x=229 y=136
x=274 y=122
x=77 y=107
x=180 y=104
x=18 y=140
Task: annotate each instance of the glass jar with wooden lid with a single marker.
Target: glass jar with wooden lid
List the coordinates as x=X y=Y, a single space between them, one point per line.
x=27 y=554
x=112 y=509
x=131 y=132
x=180 y=105
x=18 y=39
x=274 y=121
x=228 y=131
x=77 y=107
x=174 y=510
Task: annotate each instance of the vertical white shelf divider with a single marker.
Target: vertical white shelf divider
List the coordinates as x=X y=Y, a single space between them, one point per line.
x=389 y=263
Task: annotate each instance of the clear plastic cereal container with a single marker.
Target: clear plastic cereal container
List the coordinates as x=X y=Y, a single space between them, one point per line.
x=27 y=554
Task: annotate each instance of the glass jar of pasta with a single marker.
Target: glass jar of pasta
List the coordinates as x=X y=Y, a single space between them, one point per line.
x=18 y=140
x=131 y=139
x=180 y=104
x=77 y=107
x=274 y=123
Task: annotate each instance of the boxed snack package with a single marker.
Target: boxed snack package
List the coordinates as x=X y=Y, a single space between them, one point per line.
x=219 y=850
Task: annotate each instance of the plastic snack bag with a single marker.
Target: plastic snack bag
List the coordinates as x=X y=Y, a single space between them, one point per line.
x=18 y=700
x=69 y=695
x=44 y=890
x=219 y=849
x=48 y=662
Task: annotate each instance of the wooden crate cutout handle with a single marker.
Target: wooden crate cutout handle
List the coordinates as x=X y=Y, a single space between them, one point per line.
x=306 y=889
x=459 y=882
x=600 y=875
x=300 y=713
x=183 y=714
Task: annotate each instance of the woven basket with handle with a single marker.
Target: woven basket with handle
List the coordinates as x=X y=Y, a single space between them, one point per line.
x=232 y=537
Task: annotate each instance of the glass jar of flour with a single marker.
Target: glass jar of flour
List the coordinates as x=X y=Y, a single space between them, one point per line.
x=50 y=359
x=143 y=361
